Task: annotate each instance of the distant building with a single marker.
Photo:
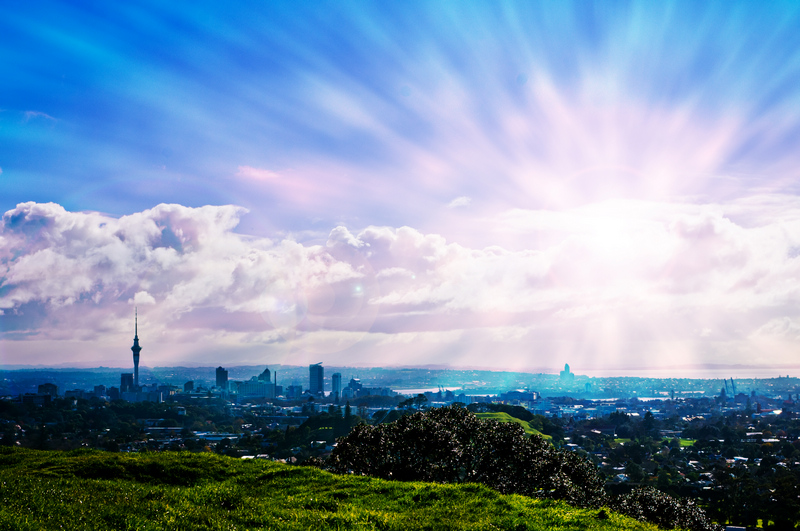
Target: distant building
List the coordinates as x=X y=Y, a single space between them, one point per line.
x=48 y=389
x=294 y=391
x=567 y=376
x=316 y=376
x=36 y=400
x=265 y=376
x=222 y=378
x=336 y=386
x=356 y=389
x=126 y=382
x=188 y=387
x=167 y=390
x=521 y=395
x=256 y=388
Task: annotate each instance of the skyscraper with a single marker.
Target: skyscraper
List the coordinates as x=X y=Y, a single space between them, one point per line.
x=222 y=378
x=316 y=376
x=336 y=386
x=136 y=349
x=126 y=383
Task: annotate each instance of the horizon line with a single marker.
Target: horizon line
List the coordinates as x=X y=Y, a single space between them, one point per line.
x=630 y=372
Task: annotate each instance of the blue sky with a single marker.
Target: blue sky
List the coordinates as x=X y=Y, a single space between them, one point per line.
x=504 y=185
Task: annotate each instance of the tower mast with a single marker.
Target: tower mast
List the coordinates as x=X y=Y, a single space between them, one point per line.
x=136 y=349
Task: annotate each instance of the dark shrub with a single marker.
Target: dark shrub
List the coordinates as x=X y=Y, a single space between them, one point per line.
x=451 y=445
x=651 y=505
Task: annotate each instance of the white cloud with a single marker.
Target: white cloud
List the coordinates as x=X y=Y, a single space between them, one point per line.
x=602 y=280
x=780 y=328
x=31 y=115
x=462 y=201
x=142 y=297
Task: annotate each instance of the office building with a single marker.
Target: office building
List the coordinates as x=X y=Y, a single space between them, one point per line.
x=255 y=388
x=316 y=376
x=336 y=386
x=565 y=375
x=222 y=378
x=126 y=382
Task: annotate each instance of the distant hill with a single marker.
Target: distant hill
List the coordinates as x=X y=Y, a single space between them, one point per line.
x=96 y=490
x=505 y=417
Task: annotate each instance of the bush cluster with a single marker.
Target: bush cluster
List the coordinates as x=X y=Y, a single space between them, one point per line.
x=451 y=445
x=652 y=505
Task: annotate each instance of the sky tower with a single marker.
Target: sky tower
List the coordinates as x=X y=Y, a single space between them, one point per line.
x=136 y=349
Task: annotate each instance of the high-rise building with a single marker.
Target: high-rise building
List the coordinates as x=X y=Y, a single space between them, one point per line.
x=136 y=349
x=126 y=382
x=222 y=378
x=316 y=376
x=336 y=386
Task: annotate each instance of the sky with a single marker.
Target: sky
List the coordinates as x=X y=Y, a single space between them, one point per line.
x=501 y=185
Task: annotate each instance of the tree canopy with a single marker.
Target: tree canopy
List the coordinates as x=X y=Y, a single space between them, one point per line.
x=452 y=445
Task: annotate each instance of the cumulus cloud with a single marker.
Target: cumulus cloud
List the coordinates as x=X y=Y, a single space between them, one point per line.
x=142 y=297
x=604 y=281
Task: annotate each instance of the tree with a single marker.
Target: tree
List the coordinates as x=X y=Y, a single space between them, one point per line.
x=420 y=400
x=649 y=425
x=635 y=472
x=451 y=445
x=654 y=506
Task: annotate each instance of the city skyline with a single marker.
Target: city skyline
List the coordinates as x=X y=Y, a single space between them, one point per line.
x=513 y=187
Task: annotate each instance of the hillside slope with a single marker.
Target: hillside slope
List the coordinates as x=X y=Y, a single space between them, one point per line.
x=96 y=490
x=505 y=417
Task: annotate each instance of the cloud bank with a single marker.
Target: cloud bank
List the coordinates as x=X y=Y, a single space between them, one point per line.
x=623 y=284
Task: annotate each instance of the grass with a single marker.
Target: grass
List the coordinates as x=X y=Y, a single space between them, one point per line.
x=686 y=442
x=505 y=417
x=176 y=491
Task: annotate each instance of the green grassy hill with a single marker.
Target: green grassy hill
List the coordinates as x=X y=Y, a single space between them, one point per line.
x=96 y=490
x=505 y=417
